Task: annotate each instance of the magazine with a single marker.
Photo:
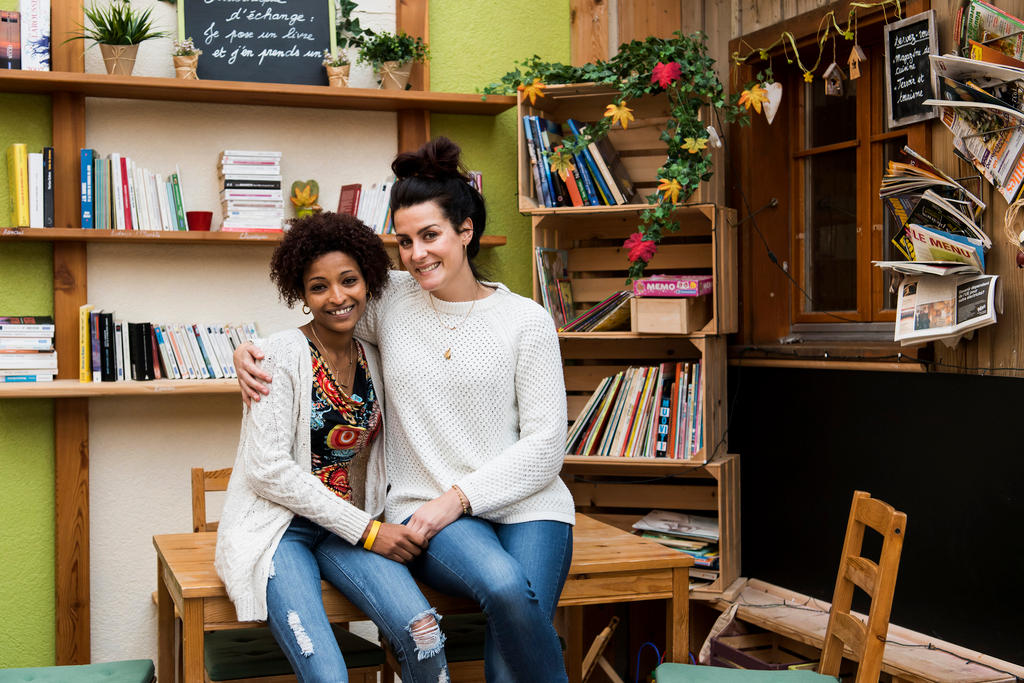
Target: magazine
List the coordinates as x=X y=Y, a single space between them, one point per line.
x=679 y=524
x=931 y=244
x=551 y=264
x=928 y=267
x=933 y=307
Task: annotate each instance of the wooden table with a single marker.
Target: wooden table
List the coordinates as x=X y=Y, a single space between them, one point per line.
x=608 y=565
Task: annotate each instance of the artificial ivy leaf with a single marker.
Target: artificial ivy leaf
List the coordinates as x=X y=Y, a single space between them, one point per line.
x=694 y=145
x=671 y=189
x=754 y=97
x=640 y=248
x=619 y=113
x=665 y=74
x=533 y=90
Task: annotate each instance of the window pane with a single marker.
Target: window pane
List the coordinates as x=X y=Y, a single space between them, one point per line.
x=830 y=119
x=830 y=231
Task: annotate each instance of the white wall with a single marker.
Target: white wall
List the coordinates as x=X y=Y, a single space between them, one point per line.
x=141 y=448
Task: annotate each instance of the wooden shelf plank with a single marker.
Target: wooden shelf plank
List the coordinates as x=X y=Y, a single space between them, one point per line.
x=72 y=388
x=261 y=94
x=176 y=237
x=598 y=464
x=624 y=334
x=702 y=208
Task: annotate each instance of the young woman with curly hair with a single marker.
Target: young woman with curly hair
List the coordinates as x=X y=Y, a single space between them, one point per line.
x=309 y=477
x=476 y=419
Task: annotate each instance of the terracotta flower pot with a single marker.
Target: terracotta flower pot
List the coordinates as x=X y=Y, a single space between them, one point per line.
x=394 y=76
x=185 y=67
x=119 y=59
x=337 y=76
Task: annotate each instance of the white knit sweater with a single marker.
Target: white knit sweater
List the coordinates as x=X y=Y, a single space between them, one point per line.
x=492 y=419
x=272 y=479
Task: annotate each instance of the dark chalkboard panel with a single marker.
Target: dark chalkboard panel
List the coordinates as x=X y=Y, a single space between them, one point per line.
x=908 y=73
x=264 y=41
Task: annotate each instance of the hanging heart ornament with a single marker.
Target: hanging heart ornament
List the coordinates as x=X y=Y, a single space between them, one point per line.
x=771 y=107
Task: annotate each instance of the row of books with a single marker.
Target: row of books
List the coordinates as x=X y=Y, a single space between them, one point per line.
x=25 y=36
x=118 y=194
x=251 y=195
x=112 y=350
x=26 y=349
x=597 y=176
x=372 y=207
x=643 y=412
x=30 y=185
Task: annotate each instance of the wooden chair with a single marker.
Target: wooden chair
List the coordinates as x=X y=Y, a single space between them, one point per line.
x=865 y=641
x=251 y=655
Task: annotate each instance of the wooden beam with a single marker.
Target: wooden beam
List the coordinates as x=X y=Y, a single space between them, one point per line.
x=588 y=31
x=412 y=17
x=71 y=506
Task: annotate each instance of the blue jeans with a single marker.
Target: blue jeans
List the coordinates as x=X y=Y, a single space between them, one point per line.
x=515 y=572
x=383 y=589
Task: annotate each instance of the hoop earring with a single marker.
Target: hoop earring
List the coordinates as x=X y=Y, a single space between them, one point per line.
x=369 y=295
x=306 y=309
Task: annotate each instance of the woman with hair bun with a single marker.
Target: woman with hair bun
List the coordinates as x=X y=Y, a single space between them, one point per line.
x=309 y=476
x=476 y=418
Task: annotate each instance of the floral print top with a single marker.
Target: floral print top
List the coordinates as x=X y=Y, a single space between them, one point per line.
x=342 y=426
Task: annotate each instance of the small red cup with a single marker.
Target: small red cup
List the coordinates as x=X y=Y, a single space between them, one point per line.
x=199 y=220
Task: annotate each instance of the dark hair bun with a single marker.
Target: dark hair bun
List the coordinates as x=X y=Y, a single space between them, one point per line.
x=438 y=159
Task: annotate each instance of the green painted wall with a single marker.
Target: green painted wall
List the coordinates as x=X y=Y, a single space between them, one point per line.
x=26 y=449
x=473 y=44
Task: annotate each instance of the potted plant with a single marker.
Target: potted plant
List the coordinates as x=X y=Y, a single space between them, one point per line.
x=117 y=29
x=392 y=56
x=186 y=58
x=337 y=67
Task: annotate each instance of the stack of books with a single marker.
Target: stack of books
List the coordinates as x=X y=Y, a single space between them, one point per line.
x=30 y=186
x=597 y=177
x=251 y=194
x=374 y=207
x=26 y=349
x=25 y=36
x=643 y=412
x=118 y=194
x=112 y=350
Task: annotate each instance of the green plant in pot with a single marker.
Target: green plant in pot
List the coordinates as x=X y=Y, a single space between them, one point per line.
x=392 y=56
x=118 y=29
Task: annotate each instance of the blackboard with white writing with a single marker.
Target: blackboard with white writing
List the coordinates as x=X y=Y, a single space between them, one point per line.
x=908 y=73
x=266 y=41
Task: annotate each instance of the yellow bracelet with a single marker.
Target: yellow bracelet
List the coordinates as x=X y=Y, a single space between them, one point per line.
x=462 y=499
x=372 y=536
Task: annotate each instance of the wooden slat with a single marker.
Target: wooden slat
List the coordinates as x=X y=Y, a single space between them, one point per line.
x=849 y=629
x=588 y=31
x=240 y=92
x=667 y=256
x=645 y=496
x=874 y=513
x=862 y=572
x=593 y=289
x=72 y=388
x=71 y=513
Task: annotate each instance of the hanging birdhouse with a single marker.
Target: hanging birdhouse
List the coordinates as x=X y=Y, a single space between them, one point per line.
x=833 y=78
x=853 y=61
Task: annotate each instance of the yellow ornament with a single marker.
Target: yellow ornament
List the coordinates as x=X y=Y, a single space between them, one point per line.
x=619 y=113
x=533 y=91
x=671 y=188
x=808 y=76
x=754 y=97
x=694 y=145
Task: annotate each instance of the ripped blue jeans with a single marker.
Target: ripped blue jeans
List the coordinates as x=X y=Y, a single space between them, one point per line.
x=383 y=589
x=515 y=572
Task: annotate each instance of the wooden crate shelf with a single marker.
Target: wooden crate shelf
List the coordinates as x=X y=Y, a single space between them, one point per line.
x=72 y=388
x=175 y=237
x=712 y=489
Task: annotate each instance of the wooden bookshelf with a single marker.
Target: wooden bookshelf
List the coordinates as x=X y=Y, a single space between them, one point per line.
x=72 y=388
x=174 y=237
x=260 y=94
x=600 y=464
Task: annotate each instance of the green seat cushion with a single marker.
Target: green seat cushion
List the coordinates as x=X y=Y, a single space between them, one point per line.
x=131 y=671
x=253 y=653
x=688 y=673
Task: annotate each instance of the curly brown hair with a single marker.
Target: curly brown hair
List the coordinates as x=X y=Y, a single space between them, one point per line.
x=310 y=238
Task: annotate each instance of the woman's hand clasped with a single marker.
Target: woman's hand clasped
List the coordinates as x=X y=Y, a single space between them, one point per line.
x=252 y=380
x=431 y=517
x=397 y=542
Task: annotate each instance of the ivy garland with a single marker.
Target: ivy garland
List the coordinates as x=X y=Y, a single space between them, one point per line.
x=682 y=69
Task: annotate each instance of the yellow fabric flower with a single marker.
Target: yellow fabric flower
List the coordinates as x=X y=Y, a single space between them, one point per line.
x=561 y=163
x=808 y=76
x=305 y=196
x=533 y=90
x=619 y=113
x=694 y=145
x=754 y=97
x=671 y=188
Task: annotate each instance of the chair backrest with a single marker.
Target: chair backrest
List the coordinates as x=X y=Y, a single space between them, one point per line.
x=878 y=580
x=204 y=481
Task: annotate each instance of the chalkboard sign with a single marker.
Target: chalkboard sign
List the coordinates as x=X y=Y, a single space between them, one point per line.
x=266 y=41
x=908 y=73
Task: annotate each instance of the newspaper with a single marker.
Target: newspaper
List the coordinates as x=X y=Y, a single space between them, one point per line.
x=928 y=267
x=935 y=245
x=932 y=307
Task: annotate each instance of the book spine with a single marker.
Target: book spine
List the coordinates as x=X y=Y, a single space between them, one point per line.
x=14 y=26
x=119 y=349
x=152 y=354
x=603 y=192
x=531 y=149
x=84 y=344
x=202 y=372
x=48 y=219
x=5 y=41
x=549 y=195
x=165 y=358
x=126 y=199
x=86 y=176
x=35 y=189
x=179 y=207
x=108 y=371
x=35 y=35
x=133 y=195
x=96 y=346
x=17 y=174
x=606 y=174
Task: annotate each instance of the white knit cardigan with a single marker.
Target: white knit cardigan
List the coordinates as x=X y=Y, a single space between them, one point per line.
x=272 y=479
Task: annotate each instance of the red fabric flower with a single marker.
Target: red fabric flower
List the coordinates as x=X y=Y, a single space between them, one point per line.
x=640 y=249
x=665 y=74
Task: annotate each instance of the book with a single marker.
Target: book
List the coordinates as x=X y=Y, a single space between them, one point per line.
x=35 y=189
x=348 y=200
x=13 y=39
x=589 y=154
x=33 y=360
x=17 y=175
x=35 y=35
x=551 y=267
x=84 y=343
x=179 y=205
x=571 y=185
x=248 y=184
x=33 y=375
x=550 y=136
x=119 y=349
x=95 y=347
x=108 y=364
x=26 y=326
x=48 y=175
x=539 y=190
x=616 y=174
x=26 y=344
x=86 y=169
